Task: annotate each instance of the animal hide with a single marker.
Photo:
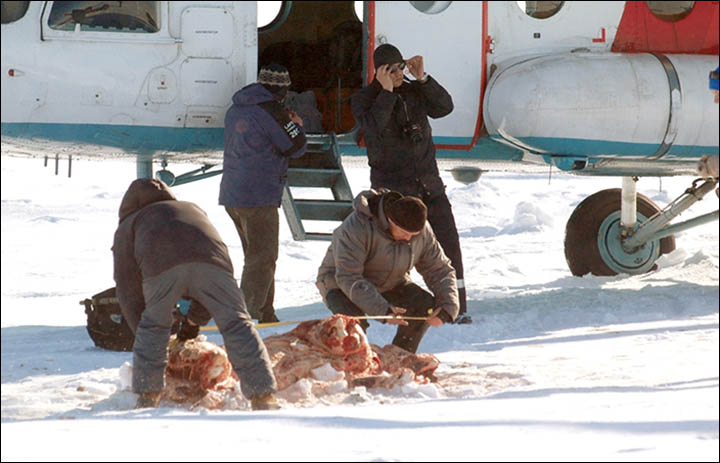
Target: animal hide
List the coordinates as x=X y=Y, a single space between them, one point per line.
x=200 y=372
x=338 y=340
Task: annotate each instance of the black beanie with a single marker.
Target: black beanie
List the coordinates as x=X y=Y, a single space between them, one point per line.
x=408 y=213
x=274 y=77
x=387 y=54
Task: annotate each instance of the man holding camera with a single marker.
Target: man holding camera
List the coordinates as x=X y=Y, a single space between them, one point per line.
x=393 y=114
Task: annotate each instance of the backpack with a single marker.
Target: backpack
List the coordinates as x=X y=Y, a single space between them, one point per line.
x=105 y=323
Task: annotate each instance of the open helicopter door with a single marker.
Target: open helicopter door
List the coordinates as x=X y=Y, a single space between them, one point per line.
x=450 y=38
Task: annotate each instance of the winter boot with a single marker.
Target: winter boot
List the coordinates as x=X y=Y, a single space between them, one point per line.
x=264 y=402
x=409 y=337
x=148 y=400
x=463 y=318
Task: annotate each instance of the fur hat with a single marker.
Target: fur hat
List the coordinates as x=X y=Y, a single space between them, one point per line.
x=387 y=54
x=407 y=212
x=275 y=77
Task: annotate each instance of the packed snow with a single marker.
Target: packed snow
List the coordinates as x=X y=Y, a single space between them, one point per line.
x=553 y=367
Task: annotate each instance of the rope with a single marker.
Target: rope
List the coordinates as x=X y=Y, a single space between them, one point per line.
x=294 y=322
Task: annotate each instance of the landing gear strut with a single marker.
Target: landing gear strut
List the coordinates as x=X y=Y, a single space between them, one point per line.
x=619 y=231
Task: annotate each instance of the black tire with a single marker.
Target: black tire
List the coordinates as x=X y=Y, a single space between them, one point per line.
x=581 y=232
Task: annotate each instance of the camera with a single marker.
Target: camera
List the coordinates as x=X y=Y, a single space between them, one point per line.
x=413 y=132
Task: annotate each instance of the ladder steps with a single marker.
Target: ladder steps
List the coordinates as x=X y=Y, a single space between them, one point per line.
x=317 y=178
x=319 y=167
x=319 y=236
x=315 y=160
x=319 y=209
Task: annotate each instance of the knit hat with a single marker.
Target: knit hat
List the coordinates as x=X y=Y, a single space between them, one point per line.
x=408 y=213
x=275 y=77
x=387 y=54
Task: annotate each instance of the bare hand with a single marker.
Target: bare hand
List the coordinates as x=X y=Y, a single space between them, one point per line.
x=397 y=321
x=295 y=118
x=434 y=320
x=416 y=67
x=383 y=76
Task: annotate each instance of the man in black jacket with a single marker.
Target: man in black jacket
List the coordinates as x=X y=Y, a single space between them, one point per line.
x=393 y=113
x=165 y=250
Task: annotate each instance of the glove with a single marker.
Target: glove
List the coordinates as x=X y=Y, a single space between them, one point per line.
x=187 y=330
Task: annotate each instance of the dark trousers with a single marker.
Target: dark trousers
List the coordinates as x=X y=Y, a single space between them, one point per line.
x=216 y=292
x=440 y=217
x=410 y=297
x=258 y=229
x=442 y=222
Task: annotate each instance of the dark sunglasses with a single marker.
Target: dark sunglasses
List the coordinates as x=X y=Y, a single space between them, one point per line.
x=397 y=67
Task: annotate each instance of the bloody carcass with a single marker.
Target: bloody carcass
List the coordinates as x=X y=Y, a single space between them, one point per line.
x=200 y=372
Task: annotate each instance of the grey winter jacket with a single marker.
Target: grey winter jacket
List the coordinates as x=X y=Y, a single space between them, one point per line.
x=364 y=260
x=259 y=140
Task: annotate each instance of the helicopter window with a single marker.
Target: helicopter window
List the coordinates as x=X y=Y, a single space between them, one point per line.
x=359 y=10
x=540 y=10
x=12 y=11
x=670 y=11
x=134 y=17
x=270 y=14
x=431 y=7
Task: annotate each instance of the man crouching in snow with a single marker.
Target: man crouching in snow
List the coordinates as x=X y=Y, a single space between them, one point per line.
x=165 y=250
x=366 y=270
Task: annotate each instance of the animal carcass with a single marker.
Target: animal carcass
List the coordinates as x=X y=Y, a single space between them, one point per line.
x=340 y=341
x=200 y=372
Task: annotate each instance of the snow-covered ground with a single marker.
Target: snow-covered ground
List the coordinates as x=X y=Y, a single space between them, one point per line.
x=553 y=368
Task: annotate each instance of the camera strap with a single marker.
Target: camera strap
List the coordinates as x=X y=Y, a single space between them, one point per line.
x=407 y=114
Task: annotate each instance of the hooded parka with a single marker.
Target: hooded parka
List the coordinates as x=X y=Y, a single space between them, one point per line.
x=166 y=249
x=259 y=140
x=149 y=214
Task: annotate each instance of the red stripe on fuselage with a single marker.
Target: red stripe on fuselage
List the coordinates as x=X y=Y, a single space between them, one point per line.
x=641 y=31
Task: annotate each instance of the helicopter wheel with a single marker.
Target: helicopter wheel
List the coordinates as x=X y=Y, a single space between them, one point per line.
x=593 y=241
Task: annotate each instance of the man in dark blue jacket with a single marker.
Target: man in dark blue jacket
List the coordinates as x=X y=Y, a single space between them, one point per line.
x=260 y=137
x=393 y=112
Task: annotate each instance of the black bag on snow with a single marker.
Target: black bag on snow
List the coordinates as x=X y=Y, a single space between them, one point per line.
x=105 y=323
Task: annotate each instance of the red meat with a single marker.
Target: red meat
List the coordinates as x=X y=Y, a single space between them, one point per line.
x=200 y=372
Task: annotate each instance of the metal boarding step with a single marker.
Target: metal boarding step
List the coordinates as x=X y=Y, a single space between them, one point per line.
x=319 y=168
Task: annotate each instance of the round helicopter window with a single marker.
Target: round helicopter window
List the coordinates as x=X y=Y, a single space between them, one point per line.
x=431 y=7
x=670 y=11
x=268 y=14
x=540 y=10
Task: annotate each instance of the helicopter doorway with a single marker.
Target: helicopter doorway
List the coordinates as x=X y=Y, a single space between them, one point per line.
x=320 y=43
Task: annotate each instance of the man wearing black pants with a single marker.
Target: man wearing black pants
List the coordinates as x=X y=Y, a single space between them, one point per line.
x=393 y=114
x=366 y=270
